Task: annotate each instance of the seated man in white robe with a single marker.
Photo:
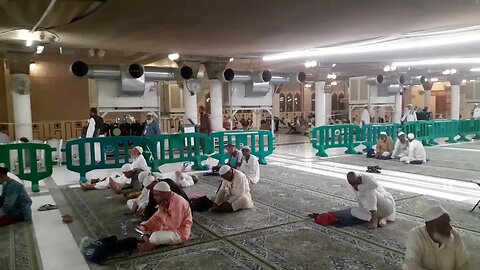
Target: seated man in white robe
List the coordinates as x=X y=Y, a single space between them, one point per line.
x=436 y=245
x=138 y=204
x=116 y=181
x=181 y=178
x=401 y=146
x=234 y=193
x=139 y=161
x=375 y=204
x=416 y=151
x=250 y=166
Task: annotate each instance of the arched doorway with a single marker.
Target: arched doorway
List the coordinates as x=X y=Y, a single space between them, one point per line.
x=289 y=103
x=297 y=103
x=282 y=102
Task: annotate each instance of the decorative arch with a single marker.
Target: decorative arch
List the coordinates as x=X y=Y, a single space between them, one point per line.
x=282 y=103
x=341 y=105
x=297 y=104
x=334 y=102
x=289 y=102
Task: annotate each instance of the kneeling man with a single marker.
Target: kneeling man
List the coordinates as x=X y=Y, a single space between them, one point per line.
x=436 y=245
x=234 y=193
x=375 y=204
x=172 y=222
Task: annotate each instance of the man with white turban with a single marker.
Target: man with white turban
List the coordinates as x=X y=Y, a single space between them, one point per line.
x=435 y=245
x=139 y=161
x=416 y=151
x=410 y=114
x=172 y=222
x=138 y=204
x=384 y=147
x=476 y=111
x=375 y=204
x=401 y=146
x=250 y=166
x=234 y=193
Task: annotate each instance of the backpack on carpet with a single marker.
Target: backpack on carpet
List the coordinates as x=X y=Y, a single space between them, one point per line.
x=201 y=204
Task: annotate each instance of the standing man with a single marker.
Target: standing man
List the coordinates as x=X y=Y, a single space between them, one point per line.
x=410 y=114
x=476 y=111
x=375 y=204
x=250 y=166
x=205 y=126
x=365 y=118
x=151 y=126
x=435 y=245
x=4 y=139
x=95 y=128
x=15 y=204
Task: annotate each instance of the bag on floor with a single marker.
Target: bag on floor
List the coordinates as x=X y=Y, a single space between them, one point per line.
x=201 y=204
x=370 y=153
x=326 y=219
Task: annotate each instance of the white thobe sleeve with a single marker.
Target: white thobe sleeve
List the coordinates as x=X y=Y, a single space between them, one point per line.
x=368 y=183
x=413 y=254
x=411 y=150
x=404 y=116
x=91 y=127
x=461 y=255
x=396 y=149
x=221 y=195
x=415 y=116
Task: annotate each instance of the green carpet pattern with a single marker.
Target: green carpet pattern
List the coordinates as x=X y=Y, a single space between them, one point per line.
x=18 y=247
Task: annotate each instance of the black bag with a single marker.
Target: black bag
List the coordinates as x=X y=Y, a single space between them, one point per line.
x=370 y=153
x=201 y=204
x=109 y=246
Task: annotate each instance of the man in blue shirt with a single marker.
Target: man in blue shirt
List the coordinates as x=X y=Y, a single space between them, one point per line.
x=14 y=203
x=151 y=126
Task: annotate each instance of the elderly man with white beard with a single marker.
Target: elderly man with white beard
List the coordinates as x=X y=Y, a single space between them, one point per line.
x=435 y=245
x=139 y=161
x=234 y=193
x=151 y=126
x=401 y=146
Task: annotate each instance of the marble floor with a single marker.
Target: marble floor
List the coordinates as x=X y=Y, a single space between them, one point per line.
x=277 y=234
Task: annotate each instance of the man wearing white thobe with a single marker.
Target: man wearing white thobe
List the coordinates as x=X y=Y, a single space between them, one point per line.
x=416 y=151
x=139 y=161
x=401 y=146
x=138 y=204
x=476 y=111
x=410 y=114
x=375 y=204
x=365 y=118
x=95 y=129
x=250 y=166
x=435 y=245
x=234 y=193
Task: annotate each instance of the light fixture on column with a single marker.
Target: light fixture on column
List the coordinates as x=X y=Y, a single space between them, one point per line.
x=173 y=56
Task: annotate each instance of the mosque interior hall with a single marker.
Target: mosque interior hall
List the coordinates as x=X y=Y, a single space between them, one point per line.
x=214 y=134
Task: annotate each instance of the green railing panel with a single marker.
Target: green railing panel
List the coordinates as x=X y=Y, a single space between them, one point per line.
x=421 y=130
x=444 y=129
x=371 y=133
x=172 y=148
x=336 y=136
x=469 y=127
x=114 y=152
x=18 y=153
x=260 y=141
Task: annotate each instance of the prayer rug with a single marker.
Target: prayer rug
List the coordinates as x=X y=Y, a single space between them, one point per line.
x=18 y=247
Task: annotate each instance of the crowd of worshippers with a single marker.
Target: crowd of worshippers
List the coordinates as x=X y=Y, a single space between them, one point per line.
x=406 y=149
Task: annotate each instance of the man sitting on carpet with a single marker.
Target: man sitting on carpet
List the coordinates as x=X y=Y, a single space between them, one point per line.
x=234 y=193
x=416 y=151
x=384 y=146
x=435 y=245
x=234 y=158
x=401 y=146
x=250 y=166
x=139 y=161
x=172 y=222
x=14 y=202
x=139 y=204
x=118 y=182
x=152 y=205
x=375 y=204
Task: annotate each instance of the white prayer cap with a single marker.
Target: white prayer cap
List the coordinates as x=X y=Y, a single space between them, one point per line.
x=246 y=147
x=434 y=213
x=401 y=133
x=148 y=180
x=162 y=186
x=410 y=136
x=139 y=149
x=127 y=167
x=142 y=175
x=149 y=113
x=409 y=105
x=383 y=133
x=224 y=169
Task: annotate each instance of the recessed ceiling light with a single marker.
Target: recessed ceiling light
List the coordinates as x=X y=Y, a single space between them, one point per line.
x=429 y=62
x=475 y=69
x=434 y=79
x=231 y=59
x=173 y=56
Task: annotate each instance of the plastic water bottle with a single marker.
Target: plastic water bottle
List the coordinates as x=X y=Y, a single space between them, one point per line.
x=124 y=226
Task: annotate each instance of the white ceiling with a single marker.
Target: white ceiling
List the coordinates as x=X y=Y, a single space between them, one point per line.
x=250 y=28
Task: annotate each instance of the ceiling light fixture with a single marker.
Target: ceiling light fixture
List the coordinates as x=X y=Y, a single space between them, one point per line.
x=40 y=49
x=429 y=62
x=464 y=81
x=387 y=44
x=475 y=69
x=311 y=64
x=173 y=56
x=434 y=79
x=332 y=76
x=386 y=68
x=231 y=59
x=472 y=80
x=333 y=65
x=333 y=83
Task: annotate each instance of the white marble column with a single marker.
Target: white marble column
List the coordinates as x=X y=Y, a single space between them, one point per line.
x=276 y=104
x=190 y=104
x=427 y=96
x=216 y=105
x=397 y=114
x=320 y=108
x=22 y=110
x=455 y=105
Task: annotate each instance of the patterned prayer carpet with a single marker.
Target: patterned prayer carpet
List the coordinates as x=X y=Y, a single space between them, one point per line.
x=276 y=234
x=18 y=247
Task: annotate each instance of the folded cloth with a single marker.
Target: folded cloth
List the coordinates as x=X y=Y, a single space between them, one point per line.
x=345 y=219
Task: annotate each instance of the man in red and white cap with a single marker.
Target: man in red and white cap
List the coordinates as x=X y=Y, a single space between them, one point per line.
x=234 y=193
x=435 y=245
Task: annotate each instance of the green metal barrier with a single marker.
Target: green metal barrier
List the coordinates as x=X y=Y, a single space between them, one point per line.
x=443 y=129
x=421 y=130
x=335 y=136
x=20 y=153
x=171 y=148
x=469 y=127
x=260 y=141
x=371 y=133
x=114 y=152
